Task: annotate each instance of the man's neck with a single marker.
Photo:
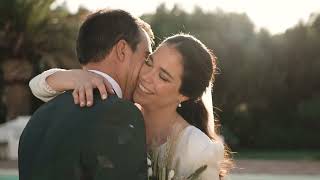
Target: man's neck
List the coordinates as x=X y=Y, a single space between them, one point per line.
x=102 y=68
x=106 y=69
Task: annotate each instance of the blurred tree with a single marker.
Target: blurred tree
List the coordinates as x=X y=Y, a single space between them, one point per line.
x=21 y=26
x=33 y=37
x=2 y=106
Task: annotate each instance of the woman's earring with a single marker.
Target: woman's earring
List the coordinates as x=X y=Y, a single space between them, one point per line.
x=179 y=105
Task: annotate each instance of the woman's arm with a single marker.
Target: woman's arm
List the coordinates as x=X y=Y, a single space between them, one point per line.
x=53 y=82
x=41 y=89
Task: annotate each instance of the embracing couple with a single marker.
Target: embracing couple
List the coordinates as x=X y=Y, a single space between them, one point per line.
x=90 y=127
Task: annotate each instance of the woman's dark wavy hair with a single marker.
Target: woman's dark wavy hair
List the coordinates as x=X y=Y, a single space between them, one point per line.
x=199 y=67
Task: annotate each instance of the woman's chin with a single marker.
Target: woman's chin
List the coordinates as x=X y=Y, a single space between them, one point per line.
x=139 y=100
x=136 y=98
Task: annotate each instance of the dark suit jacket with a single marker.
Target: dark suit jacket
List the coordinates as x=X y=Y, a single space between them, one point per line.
x=63 y=141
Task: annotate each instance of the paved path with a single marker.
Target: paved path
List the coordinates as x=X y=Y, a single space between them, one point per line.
x=8 y=164
x=271 y=177
x=280 y=167
x=245 y=170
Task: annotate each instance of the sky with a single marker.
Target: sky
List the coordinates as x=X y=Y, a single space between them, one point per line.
x=274 y=15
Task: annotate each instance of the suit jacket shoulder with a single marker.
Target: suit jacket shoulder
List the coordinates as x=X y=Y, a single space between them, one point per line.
x=65 y=141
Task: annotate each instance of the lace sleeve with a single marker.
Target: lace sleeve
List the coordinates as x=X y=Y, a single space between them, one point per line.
x=41 y=89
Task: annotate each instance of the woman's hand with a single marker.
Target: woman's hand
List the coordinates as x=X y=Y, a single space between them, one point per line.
x=82 y=82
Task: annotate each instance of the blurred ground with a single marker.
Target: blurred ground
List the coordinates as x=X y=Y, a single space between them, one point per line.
x=279 y=167
x=245 y=170
x=8 y=164
x=264 y=177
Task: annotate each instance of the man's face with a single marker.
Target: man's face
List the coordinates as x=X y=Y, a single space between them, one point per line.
x=136 y=61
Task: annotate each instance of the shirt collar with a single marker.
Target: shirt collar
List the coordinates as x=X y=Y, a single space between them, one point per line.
x=113 y=83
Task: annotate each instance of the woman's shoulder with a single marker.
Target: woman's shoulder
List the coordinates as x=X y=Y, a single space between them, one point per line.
x=195 y=149
x=196 y=141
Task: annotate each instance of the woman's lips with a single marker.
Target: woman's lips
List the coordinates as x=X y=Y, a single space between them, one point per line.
x=144 y=89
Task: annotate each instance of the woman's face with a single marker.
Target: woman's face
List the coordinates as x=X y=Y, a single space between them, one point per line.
x=160 y=79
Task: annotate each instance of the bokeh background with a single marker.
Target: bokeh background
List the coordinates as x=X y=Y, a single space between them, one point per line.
x=267 y=92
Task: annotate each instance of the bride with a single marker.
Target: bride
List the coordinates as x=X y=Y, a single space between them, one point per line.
x=170 y=92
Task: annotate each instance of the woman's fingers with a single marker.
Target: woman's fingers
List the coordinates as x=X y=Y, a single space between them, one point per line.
x=102 y=90
x=104 y=87
x=109 y=86
x=83 y=92
x=75 y=96
x=82 y=96
x=89 y=94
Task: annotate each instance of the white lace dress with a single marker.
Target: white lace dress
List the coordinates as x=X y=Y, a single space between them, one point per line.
x=189 y=151
x=184 y=154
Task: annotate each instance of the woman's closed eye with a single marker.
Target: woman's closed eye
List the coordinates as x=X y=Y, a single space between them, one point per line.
x=163 y=77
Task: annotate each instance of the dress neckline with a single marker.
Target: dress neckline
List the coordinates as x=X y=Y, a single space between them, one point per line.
x=180 y=134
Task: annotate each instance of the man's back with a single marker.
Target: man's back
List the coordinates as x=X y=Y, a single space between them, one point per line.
x=64 y=141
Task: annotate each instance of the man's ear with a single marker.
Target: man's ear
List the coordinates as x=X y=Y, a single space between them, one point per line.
x=122 y=50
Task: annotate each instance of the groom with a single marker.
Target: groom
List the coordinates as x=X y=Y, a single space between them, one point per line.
x=107 y=141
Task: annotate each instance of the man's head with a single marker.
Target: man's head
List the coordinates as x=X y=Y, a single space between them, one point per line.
x=115 y=42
